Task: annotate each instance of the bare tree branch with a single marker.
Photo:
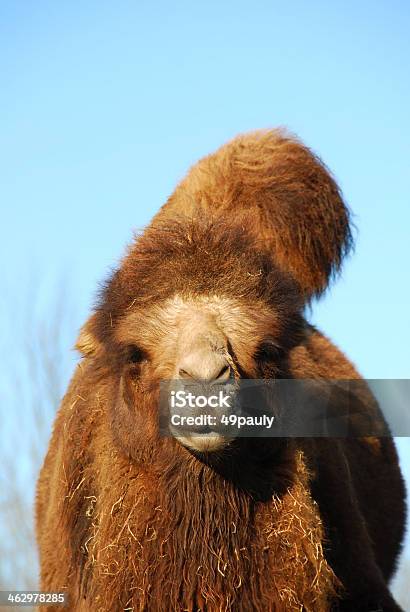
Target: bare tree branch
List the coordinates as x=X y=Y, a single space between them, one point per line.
x=37 y=363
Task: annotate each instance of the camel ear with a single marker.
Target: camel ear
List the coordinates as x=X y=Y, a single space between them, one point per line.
x=87 y=344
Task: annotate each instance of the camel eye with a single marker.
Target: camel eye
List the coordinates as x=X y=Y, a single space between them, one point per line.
x=136 y=354
x=267 y=352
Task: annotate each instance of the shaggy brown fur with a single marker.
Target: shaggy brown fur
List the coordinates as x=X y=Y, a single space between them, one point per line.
x=291 y=203
x=127 y=519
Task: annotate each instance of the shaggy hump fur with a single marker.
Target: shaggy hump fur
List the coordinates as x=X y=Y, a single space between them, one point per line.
x=289 y=197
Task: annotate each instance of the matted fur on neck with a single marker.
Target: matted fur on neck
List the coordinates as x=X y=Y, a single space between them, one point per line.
x=181 y=537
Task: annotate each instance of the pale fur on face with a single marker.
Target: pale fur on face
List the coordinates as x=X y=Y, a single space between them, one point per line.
x=169 y=329
x=165 y=329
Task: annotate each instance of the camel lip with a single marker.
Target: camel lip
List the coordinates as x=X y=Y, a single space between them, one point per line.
x=195 y=432
x=207 y=441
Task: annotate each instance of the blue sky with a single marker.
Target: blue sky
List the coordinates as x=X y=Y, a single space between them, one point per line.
x=104 y=105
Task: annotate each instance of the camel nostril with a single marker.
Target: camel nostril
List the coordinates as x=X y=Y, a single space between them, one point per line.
x=224 y=374
x=184 y=374
x=204 y=366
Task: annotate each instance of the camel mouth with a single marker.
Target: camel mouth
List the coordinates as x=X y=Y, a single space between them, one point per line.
x=204 y=441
